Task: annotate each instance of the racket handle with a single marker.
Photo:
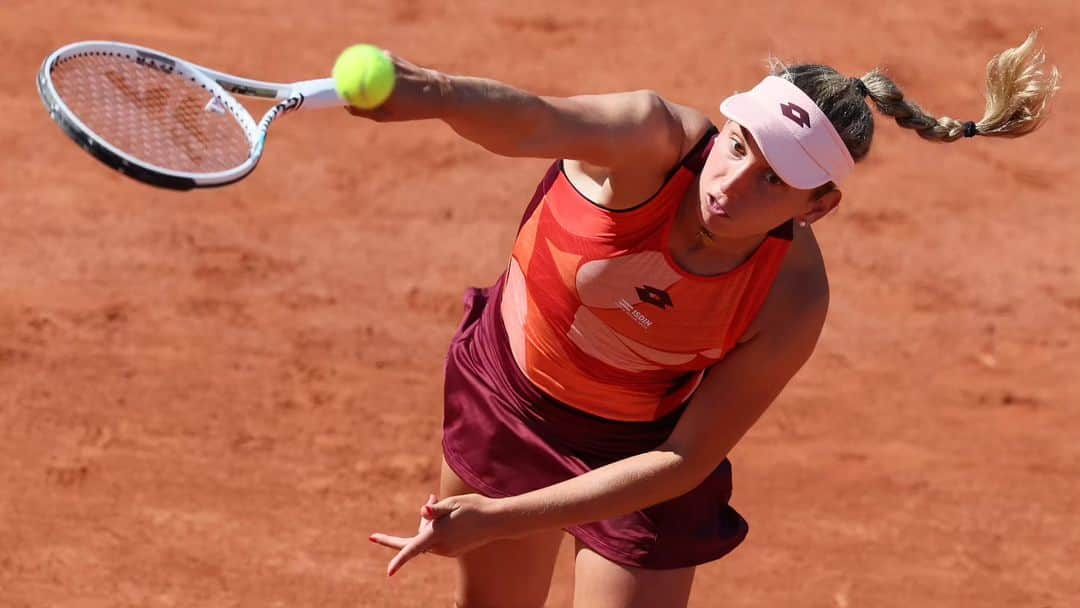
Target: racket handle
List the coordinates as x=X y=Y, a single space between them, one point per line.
x=319 y=93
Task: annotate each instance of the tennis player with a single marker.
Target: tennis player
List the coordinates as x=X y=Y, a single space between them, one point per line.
x=664 y=286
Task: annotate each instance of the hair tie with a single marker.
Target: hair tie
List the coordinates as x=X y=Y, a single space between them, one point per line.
x=861 y=86
x=970 y=129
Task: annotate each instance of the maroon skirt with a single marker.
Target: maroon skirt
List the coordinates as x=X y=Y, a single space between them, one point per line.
x=504 y=437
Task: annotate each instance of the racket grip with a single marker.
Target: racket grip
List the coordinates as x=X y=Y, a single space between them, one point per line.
x=319 y=93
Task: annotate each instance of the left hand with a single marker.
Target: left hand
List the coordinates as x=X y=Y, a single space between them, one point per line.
x=448 y=527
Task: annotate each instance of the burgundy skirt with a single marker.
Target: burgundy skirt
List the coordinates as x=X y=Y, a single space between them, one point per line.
x=504 y=437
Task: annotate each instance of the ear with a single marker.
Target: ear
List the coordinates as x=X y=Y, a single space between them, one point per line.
x=821 y=205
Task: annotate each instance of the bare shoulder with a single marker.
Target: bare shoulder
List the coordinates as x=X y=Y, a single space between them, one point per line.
x=741 y=386
x=804 y=267
x=693 y=124
x=665 y=133
x=799 y=300
x=681 y=127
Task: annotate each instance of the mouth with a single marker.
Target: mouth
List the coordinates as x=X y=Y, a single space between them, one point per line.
x=715 y=207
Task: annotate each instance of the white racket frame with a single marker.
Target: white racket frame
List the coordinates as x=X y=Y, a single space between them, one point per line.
x=220 y=87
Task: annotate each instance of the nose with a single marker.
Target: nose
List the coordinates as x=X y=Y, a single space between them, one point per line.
x=738 y=178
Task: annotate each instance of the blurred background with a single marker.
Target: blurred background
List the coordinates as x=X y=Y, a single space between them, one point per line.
x=212 y=398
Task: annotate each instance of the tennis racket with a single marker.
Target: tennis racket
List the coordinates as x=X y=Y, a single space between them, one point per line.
x=162 y=120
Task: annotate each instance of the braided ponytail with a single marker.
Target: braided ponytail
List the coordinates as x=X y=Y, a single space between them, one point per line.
x=1017 y=94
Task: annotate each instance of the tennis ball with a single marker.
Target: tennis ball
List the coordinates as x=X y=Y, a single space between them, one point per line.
x=364 y=76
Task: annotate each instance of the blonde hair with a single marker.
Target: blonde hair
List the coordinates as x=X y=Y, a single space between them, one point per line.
x=1018 y=92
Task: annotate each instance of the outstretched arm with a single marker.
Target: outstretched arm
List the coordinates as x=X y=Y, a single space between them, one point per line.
x=637 y=129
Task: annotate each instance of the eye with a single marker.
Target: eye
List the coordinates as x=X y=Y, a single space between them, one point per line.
x=737 y=148
x=773 y=179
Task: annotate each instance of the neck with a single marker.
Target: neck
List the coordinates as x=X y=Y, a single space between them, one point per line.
x=697 y=249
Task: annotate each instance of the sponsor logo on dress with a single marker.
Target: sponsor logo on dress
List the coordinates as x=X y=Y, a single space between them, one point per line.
x=654 y=296
x=635 y=314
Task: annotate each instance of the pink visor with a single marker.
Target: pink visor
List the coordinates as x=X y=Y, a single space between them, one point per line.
x=795 y=136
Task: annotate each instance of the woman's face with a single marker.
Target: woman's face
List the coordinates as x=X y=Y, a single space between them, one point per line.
x=739 y=195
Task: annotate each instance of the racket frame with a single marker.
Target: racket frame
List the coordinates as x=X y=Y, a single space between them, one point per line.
x=220 y=86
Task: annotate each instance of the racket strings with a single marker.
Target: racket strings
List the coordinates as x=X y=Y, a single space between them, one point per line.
x=160 y=118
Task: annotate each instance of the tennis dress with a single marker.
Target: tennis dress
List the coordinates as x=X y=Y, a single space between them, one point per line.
x=587 y=349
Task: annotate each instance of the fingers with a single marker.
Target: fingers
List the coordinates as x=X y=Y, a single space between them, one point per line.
x=377 y=114
x=438 y=510
x=425 y=511
x=417 y=546
x=393 y=542
x=410 y=547
x=423 y=518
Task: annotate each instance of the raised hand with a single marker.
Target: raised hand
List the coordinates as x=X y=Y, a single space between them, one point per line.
x=418 y=94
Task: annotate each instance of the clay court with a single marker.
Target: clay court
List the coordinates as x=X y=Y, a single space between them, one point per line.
x=212 y=398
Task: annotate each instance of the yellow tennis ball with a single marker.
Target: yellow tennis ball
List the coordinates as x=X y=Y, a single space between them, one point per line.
x=364 y=76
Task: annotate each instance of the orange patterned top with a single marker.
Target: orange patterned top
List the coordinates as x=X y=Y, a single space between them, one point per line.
x=600 y=316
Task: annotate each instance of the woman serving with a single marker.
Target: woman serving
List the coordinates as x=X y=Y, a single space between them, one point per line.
x=664 y=287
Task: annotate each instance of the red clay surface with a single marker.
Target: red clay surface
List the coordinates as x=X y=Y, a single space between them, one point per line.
x=211 y=399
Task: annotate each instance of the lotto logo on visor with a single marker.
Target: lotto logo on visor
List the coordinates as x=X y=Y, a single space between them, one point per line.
x=797 y=114
x=797 y=139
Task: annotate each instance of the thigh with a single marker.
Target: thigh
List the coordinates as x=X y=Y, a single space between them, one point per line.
x=503 y=574
x=601 y=583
